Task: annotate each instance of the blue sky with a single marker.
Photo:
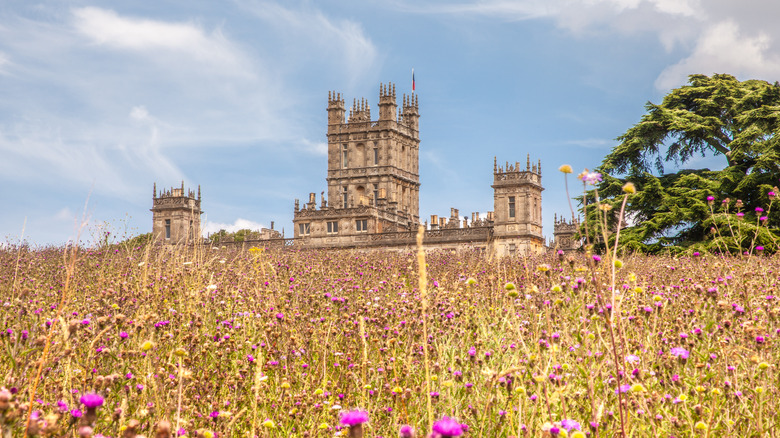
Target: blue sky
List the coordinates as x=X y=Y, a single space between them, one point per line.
x=99 y=100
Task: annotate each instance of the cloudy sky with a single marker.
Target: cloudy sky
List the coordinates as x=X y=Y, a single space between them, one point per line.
x=99 y=100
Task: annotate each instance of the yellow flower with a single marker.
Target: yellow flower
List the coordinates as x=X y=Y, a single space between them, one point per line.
x=565 y=169
x=269 y=424
x=577 y=434
x=180 y=352
x=629 y=188
x=618 y=264
x=318 y=391
x=324 y=426
x=700 y=426
x=638 y=387
x=146 y=346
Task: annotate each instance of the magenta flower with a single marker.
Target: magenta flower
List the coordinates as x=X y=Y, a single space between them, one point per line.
x=406 y=431
x=280 y=316
x=447 y=427
x=680 y=352
x=75 y=413
x=91 y=400
x=353 y=418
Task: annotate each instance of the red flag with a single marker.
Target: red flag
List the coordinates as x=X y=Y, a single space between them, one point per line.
x=413 y=87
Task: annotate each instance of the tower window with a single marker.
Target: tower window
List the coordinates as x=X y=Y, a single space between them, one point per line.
x=361 y=225
x=511 y=206
x=376 y=195
x=167 y=228
x=344 y=197
x=376 y=156
x=344 y=162
x=333 y=227
x=304 y=229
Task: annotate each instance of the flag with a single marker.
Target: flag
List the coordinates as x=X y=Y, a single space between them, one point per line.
x=413 y=87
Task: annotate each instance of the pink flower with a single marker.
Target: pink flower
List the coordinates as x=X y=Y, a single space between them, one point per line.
x=354 y=418
x=447 y=427
x=91 y=400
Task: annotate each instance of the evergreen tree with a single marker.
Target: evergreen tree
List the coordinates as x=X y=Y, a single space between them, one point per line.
x=718 y=116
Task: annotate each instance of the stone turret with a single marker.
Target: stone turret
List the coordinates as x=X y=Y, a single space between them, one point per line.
x=176 y=215
x=565 y=234
x=517 y=207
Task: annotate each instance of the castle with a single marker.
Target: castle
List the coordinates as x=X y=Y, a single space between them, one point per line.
x=373 y=193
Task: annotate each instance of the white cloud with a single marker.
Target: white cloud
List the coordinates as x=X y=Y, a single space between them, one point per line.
x=139 y=113
x=239 y=224
x=4 y=63
x=107 y=28
x=65 y=214
x=715 y=36
x=338 y=42
x=315 y=148
x=723 y=48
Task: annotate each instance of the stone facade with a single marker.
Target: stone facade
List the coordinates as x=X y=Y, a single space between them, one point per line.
x=373 y=193
x=517 y=206
x=373 y=189
x=175 y=215
x=373 y=171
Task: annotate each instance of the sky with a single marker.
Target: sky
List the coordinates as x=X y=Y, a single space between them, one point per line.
x=99 y=100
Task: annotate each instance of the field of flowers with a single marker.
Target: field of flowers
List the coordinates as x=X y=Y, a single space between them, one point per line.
x=205 y=342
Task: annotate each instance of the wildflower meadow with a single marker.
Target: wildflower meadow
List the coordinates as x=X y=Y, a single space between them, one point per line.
x=204 y=341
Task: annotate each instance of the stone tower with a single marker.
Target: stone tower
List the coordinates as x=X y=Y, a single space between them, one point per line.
x=565 y=234
x=374 y=162
x=517 y=208
x=175 y=215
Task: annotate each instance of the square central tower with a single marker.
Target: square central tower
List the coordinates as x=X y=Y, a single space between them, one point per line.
x=375 y=163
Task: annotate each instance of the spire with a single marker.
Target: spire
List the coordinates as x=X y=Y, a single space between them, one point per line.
x=182 y=187
x=495 y=164
x=528 y=162
x=154 y=191
x=539 y=167
x=198 y=192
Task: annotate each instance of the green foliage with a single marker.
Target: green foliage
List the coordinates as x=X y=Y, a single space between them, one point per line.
x=140 y=240
x=716 y=115
x=224 y=236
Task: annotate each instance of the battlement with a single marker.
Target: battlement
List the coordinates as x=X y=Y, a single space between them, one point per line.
x=406 y=116
x=335 y=101
x=177 y=192
x=562 y=222
x=360 y=112
x=510 y=168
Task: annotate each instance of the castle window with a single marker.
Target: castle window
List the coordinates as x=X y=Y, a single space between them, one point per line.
x=361 y=225
x=304 y=229
x=376 y=156
x=167 y=228
x=344 y=161
x=376 y=195
x=511 y=206
x=333 y=227
x=344 y=197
